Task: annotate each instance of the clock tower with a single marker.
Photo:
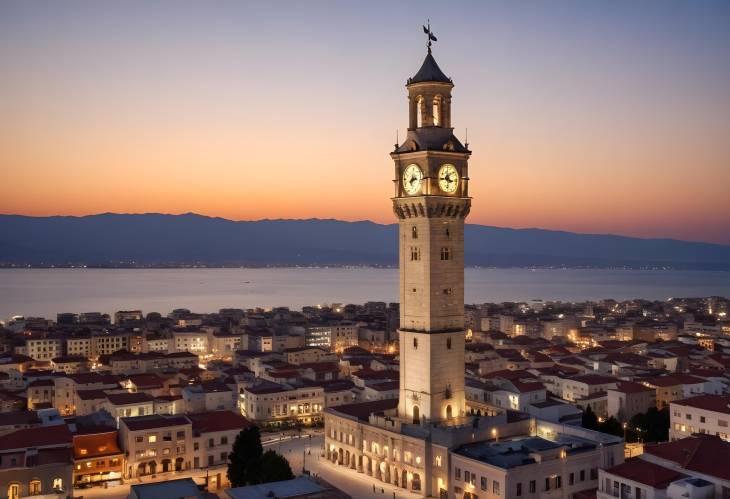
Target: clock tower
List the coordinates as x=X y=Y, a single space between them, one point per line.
x=431 y=202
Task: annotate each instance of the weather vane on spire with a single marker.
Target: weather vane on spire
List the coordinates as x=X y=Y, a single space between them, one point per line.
x=429 y=35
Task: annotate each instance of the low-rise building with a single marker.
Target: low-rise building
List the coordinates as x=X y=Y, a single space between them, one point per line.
x=156 y=444
x=37 y=461
x=97 y=457
x=629 y=399
x=690 y=468
x=707 y=414
x=213 y=436
x=272 y=403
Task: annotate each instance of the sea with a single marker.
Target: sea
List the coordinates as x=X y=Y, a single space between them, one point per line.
x=46 y=292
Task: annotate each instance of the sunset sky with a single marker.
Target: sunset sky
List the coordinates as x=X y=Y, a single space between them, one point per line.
x=600 y=117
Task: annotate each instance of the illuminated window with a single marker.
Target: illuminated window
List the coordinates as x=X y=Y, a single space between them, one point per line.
x=34 y=487
x=437 y=111
x=414 y=232
x=419 y=111
x=152 y=439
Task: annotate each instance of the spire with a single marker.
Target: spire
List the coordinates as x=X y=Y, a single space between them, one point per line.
x=429 y=71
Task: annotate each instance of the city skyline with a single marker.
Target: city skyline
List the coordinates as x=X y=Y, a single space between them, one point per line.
x=586 y=118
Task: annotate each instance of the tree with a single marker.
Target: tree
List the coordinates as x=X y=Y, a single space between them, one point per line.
x=612 y=427
x=589 y=420
x=274 y=468
x=245 y=456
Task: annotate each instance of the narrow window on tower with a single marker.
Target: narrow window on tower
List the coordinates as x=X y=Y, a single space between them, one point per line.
x=415 y=343
x=437 y=111
x=446 y=253
x=448 y=233
x=448 y=343
x=415 y=253
x=414 y=232
x=419 y=111
x=448 y=291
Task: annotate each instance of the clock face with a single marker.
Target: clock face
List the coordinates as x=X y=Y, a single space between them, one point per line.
x=448 y=178
x=412 y=178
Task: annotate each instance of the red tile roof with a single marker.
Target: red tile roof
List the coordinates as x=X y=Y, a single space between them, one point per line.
x=630 y=387
x=154 y=421
x=40 y=436
x=594 y=379
x=648 y=473
x=96 y=445
x=673 y=380
x=715 y=403
x=207 y=422
x=129 y=398
x=706 y=454
x=362 y=411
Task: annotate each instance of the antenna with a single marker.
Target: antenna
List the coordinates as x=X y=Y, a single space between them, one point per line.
x=466 y=138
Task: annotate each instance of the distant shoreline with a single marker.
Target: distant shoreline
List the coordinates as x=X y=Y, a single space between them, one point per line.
x=334 y=266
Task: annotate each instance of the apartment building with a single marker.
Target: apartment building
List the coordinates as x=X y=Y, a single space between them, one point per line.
x=213 y=435
x=558 y=463
x=580 y=387
x=107 y=344
x=628 y=399
x=706 y=414
x=44 y=349
x=36 y=462
x=97 y=457
x=156 y=444
x=273 y=403
x=690 y=468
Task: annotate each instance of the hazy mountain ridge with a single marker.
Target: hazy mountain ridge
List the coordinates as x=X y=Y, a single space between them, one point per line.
x=156 y=239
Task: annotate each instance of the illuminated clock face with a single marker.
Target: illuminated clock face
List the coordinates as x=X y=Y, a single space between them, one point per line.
x=412 y=178
x=448 y=178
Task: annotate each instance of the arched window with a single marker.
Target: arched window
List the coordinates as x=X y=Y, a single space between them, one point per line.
x=414 y=232
x=58 y=484
x=419 y=111
x=34 y=487
x=448 y=412
x=437 y=111
x=416 y=415
x=14 y=491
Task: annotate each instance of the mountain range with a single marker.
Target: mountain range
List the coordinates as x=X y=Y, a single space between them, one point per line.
x=111 y=240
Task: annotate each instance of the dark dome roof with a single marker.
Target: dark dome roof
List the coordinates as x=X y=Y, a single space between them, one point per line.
x=430 y=71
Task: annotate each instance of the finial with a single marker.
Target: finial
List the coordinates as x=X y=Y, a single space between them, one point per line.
x=429 y=35
x=396 y=139
x=466 y=138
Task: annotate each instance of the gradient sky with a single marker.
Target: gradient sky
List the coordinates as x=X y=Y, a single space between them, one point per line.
x=602 y=117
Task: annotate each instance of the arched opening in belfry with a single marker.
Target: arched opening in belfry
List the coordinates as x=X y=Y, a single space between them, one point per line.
x=419 y=111
x=449 y=415
x=436 y=111
x=416 y=415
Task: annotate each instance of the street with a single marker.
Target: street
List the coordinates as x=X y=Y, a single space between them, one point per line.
x=293 y=448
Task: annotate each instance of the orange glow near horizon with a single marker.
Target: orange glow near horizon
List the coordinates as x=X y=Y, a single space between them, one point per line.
x=576 y=127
